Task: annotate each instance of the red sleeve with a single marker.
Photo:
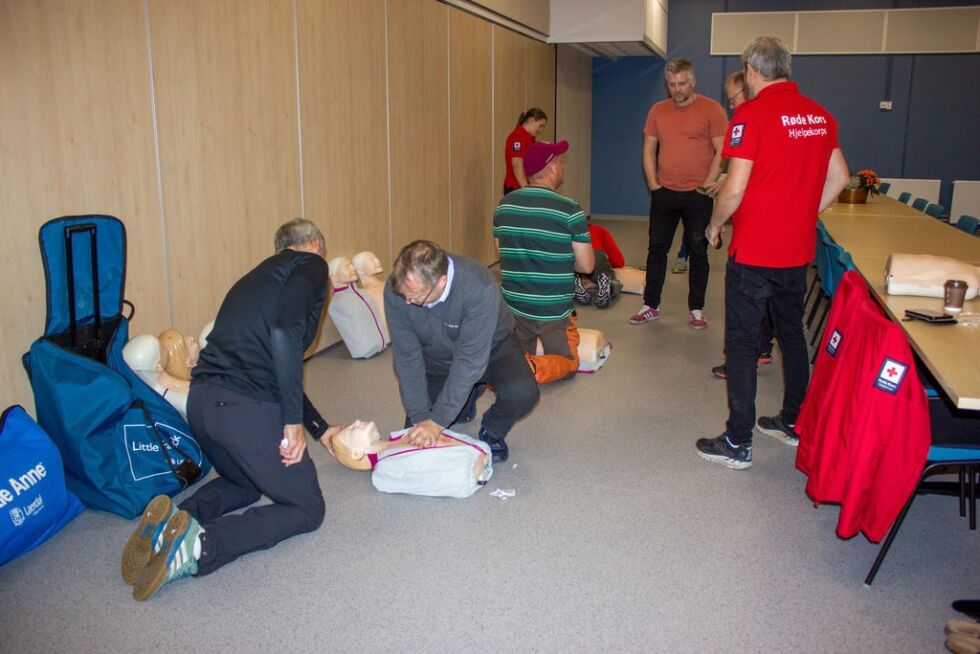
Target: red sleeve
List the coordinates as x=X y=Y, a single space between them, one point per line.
x=603 y=240
x=742 y=139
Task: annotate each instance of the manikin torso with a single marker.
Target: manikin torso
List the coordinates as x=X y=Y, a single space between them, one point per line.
x=355 y=313
x=369 y=270
x=925 y=275
x=144 y=355
x=454 y=467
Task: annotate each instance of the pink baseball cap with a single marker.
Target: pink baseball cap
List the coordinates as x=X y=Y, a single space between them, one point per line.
x=540 y=155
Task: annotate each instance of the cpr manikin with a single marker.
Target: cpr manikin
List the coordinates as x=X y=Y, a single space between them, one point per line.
x=183 y=352
x=634 y=280
x=456 y=466
x=354 y=312
x=593 y=349
x=144 y=355
x=925 y=275
x=369 y=270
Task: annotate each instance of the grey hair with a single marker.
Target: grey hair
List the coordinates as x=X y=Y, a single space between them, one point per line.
x=423 y=260
x=769 y=57
x=298 y=232
x=675 y=66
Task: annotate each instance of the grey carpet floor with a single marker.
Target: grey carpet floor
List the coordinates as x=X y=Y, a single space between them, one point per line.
x=618 y=539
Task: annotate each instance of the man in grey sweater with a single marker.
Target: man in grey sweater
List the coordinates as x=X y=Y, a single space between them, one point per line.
x=452 y=335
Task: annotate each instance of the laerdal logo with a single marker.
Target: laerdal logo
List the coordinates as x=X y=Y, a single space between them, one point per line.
x=17 y=517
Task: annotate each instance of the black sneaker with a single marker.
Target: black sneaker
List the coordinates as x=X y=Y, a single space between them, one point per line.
x=775 y=427
x=498 y=449
x=721 y=372
x=582 y=296
x=603 y=295
x=721 y=450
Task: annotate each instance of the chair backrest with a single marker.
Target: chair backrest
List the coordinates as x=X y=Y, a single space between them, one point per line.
x=883 y=189
x=968 y=224
x=904 y=196
x=934 y=210
x=834 y=254
x=920 y=203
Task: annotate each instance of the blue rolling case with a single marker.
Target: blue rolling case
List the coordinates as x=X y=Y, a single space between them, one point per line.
x=122 y=443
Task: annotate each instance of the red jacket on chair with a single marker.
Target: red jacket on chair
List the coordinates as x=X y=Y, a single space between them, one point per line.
x=870 y=442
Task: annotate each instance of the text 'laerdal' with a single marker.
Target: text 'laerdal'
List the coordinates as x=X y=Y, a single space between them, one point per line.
x=800 y=119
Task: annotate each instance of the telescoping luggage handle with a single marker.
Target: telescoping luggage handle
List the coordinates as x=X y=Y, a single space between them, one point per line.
x=70 y=231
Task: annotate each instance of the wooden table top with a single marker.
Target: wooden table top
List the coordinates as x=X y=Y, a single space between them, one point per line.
x=950 y=352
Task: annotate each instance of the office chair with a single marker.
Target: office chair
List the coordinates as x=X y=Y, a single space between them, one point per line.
x=883 y=189
x=935 y=210
x=968 y=224
x=920 y=204
x=904 y=197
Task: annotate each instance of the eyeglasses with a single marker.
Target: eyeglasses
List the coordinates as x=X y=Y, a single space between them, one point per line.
x=731 y=98
x=416 y=301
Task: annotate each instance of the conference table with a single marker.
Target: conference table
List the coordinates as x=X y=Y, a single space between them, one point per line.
x=873 y=231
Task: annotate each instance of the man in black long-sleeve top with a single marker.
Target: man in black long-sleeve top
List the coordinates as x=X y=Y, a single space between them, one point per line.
x=452 y=334
x=246 y=406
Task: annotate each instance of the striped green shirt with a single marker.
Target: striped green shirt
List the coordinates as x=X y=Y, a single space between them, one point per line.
x=535 y=228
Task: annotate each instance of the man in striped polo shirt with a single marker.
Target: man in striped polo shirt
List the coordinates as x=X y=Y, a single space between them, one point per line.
x=543 y=241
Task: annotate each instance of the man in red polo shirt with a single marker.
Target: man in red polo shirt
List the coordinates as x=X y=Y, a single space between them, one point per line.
x=785 y=167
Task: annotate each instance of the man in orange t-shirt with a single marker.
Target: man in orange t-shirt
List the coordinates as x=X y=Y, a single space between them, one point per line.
x=689 y=130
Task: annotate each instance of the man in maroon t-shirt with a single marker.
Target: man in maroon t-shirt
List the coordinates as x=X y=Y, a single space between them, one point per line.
x=785 y=167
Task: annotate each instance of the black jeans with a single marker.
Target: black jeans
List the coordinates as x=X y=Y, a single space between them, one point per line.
x=241 y=438
x=666 y=208
x=748 y=290
x=513 y=383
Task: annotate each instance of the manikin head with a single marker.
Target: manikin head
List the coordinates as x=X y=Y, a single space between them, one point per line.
x=342 y=271
x=202 y=340
x=183 y=353
x=367 y=263
x=144 y=354
x=354 y=442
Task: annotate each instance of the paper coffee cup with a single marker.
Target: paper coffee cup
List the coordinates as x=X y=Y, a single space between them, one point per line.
x=954 y=295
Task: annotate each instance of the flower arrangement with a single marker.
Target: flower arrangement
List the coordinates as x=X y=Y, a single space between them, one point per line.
x=865 y=180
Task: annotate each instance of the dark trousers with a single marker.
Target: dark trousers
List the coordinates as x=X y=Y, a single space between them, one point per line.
x=694 y=210
x=748 y=290
x=517 y=391
x=241 y=438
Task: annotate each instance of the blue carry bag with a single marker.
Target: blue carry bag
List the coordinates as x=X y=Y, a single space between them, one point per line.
x=34 y=503
x=121 y=442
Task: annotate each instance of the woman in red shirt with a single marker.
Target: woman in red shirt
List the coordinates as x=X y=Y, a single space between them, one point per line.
x=529 y=125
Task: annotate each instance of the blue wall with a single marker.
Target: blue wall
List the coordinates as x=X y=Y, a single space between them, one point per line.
x=932 y=132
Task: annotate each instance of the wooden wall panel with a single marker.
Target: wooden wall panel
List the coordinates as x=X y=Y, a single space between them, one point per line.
x=471 y=137
x=508 y=96
x=76 y=138
x=573 y=121
x=343 y=112
x=418 y=101
x=539 y=90
x=225 y=81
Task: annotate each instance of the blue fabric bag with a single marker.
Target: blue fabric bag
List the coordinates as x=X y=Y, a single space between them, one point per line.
x=34 y=503
x=121 y=442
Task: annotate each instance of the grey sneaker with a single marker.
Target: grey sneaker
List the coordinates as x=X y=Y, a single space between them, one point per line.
x=602 y=296
x=582 y=296
x=775 y=426
x=722 y=450
x=680 y=266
